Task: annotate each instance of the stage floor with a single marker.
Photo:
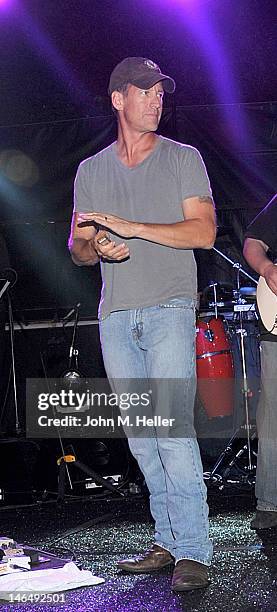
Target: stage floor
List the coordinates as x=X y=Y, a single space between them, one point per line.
x=243 y=574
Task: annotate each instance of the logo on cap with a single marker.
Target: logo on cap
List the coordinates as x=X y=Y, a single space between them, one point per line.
x=151 y=64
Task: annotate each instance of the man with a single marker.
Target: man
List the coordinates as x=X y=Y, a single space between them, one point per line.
x=260 y=251
x=151 y=198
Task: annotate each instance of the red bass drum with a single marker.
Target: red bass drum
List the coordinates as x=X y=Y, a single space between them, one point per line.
x=215 y=368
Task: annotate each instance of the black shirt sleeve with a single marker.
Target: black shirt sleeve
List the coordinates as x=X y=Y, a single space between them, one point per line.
x=264 y=226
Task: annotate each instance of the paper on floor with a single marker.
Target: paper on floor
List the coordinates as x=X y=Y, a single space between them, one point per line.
x=47 y=580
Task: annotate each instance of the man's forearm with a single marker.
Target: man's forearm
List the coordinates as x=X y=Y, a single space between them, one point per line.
x=255 y=253
x=190 y=234
x=83 y=252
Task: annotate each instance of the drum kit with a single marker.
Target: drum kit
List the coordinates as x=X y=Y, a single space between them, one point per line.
x=225 y=312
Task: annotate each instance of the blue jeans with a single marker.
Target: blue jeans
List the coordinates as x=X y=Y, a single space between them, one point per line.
x=158 y=342
x=266 y=477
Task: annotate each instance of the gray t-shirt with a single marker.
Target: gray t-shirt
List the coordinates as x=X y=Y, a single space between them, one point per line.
x=151 y=192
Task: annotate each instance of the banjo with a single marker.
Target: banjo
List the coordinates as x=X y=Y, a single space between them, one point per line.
x=267 y=304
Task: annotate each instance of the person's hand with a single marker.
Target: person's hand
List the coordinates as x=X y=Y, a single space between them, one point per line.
x=270 y=276
x=121 y=227
x=108 y=249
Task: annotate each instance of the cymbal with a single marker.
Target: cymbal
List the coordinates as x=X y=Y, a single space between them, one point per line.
x=248 y=291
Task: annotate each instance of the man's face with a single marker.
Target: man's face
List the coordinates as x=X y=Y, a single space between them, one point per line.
x=142 y=108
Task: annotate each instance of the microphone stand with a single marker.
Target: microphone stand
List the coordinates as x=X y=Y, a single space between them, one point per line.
x=74 y=352
x=9 y=282
x=72 y=375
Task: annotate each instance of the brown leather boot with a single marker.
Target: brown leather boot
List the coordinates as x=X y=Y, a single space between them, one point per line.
x=151 y=561
x=189 y=575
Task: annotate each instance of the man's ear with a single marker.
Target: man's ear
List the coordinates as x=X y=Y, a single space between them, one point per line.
x=117 y=100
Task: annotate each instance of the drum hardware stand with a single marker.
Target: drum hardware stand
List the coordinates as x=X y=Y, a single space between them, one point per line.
x=10 y=277
x=214 y=286
x=230 y=453
x=235 y=264
x=220 y=474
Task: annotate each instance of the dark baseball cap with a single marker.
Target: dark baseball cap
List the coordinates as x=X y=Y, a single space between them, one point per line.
x=141 y=72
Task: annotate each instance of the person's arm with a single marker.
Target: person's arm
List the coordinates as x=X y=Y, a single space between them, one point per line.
x=197 y=231
x=255 y=253
x=81 y=244
x=85 y=248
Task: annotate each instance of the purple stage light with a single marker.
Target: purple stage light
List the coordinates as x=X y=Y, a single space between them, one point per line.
x=5 y=4
x=198 y=19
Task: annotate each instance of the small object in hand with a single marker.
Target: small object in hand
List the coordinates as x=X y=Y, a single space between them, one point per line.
x=104 y=240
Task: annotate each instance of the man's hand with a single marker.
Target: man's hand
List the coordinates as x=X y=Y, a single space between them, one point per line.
x=108 y=249
x=121 y=227
x=84 y=245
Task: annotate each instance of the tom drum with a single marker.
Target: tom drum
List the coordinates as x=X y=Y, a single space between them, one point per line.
x=215 y=367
